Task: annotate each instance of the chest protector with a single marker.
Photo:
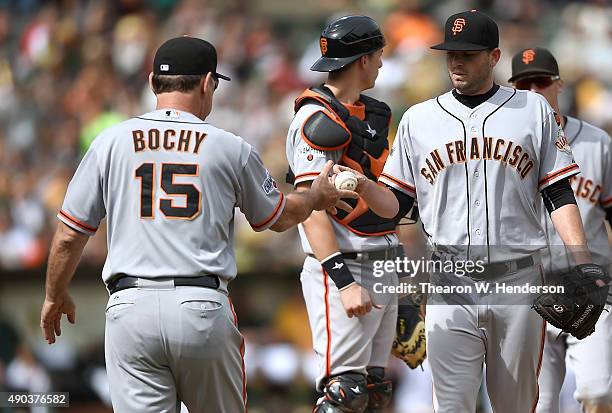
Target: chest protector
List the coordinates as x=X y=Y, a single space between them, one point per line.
x=365 y=149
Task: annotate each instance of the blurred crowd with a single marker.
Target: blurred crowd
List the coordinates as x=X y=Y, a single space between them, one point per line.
x=70 y=68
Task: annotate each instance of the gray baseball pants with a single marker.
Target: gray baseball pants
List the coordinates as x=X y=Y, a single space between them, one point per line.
x=341 y=343
x=167 y=344
x=508 y=338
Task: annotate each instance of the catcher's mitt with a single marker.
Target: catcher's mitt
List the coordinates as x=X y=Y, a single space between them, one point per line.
x=409 y=342
x=577 y=309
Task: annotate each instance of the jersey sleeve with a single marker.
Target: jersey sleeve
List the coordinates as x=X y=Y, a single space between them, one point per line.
x=259 y=198
x=308 y=161
x=83 y=206
x=556 y=159
x=397 y=172
x=606 y=190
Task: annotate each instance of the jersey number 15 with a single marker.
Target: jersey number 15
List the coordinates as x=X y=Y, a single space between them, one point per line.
x=146 y=174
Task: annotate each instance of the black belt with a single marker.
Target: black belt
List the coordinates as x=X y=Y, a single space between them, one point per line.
x=123 y=282
x=498 y=268
x=377 y=255
x=506 y=267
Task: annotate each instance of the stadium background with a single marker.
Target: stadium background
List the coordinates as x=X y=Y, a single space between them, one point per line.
x=70 y=68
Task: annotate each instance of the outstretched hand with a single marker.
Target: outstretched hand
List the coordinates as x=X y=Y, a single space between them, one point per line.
x=327 y=196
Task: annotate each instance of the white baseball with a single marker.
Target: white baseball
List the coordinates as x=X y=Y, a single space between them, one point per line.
x=346 y=180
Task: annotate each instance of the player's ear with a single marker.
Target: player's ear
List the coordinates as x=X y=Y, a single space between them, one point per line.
x=494 y=56
x=209 y=83
x=364 y=60
x=560 y=85
x=151 y=81
x=205 y=83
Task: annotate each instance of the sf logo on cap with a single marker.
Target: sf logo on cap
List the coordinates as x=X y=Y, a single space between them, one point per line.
x=323 y=43
x=458 y=25
x=528 y=56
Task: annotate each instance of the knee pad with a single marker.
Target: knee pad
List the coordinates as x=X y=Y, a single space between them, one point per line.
x=379 y=390
x=346 y=393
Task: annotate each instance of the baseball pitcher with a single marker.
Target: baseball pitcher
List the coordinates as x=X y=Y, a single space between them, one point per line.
x=476 y=159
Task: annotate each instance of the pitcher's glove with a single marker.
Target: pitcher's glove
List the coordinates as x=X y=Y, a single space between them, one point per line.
x=577 y=309
x=409 y=342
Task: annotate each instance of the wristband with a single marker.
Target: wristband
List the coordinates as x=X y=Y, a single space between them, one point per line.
x=338 y=271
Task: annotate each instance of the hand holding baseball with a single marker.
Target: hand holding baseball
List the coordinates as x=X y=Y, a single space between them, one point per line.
x=328 y=196
x=346 y=180
x=345 y=176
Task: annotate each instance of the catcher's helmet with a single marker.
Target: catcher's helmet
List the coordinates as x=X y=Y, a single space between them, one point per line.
x=347 y=39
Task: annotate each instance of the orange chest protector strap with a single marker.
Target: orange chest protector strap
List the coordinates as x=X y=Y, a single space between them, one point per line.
x=365 y=148
x=364 y=140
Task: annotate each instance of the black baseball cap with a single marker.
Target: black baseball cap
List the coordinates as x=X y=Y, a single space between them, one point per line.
x=347 y=39
x=186 y=56
x=469 y=30
x=532 y=62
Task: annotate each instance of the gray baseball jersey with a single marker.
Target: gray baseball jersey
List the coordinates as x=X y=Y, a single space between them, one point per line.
x=306 y=163
x=590 y=358
x=341 y=343
x=592 y=149
x=476 y=173
x=168 y=183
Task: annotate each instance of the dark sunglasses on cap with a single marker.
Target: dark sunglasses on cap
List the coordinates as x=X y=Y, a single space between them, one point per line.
x=540 y=82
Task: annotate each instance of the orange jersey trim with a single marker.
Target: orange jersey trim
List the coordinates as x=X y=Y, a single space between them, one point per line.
x=327 y=326
x=307 y=175
x=540 y=358
x=271 y=217
x=244 y=384
x=398 y=182
x=607 y=202
x=233 y=312
x=77 y=222
x=560 y=172
x=242 y=347
x=541 y=355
